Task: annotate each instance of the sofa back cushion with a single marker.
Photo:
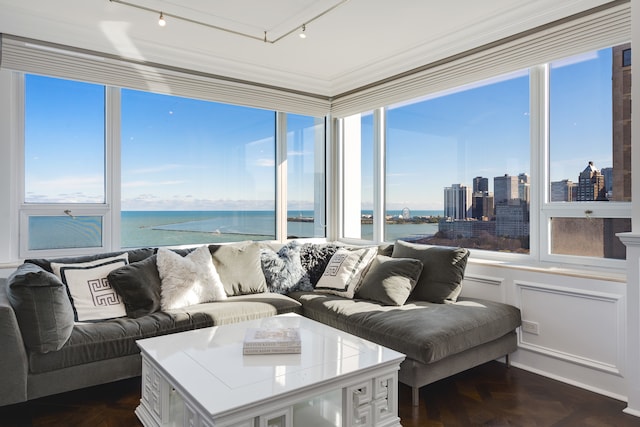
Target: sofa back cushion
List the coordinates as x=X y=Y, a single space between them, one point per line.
x=239 y=267
x=390 y=281
x=138 y=284
x=134 y=255
x=42 y=307
x=442 y=272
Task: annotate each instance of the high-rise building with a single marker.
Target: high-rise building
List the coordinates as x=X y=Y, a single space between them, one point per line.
x=480 y=184
x=457 y=201
x=563 y=191
x=608 y=181
x=621 y=111
x=505 y=189
x=482 y=206
x=591 y=185
x=523 y=187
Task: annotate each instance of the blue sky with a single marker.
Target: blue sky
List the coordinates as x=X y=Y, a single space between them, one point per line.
x=181 y=154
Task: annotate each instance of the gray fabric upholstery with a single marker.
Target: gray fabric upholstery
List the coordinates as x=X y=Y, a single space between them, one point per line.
x=424 y=331
x=138 y=284
x=134 y=256
x=389 y=281
x=42 y=306
x=245 y=307
x=13 y=356
x=117 y=337
x=239 y=268
x=442 y=271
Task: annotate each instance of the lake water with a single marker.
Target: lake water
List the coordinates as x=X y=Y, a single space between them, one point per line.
x=160 y=228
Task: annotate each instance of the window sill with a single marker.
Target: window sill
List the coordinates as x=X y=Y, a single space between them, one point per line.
x=586 y=272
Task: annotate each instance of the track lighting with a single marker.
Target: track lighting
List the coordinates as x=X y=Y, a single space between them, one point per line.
x=263 y=38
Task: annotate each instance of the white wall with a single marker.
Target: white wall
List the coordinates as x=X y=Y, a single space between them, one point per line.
x=581 y=321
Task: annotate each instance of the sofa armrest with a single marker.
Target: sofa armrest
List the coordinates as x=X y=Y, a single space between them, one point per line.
x=13 y=357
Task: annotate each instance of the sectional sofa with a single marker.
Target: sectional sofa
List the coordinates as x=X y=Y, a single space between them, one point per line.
x=403 y=296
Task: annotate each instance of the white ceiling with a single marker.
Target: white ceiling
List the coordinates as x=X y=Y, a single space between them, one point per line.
x=356 y=43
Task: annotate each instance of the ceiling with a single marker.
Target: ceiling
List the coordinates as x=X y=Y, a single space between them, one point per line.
x=349 y=43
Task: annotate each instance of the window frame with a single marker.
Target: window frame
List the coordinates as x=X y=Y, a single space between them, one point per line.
x=541 y=209
x=110 y=209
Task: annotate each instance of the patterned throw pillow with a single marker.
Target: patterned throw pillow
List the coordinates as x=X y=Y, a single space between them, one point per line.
x=188 y=280
x=91 y=295
x=314 y=258
x=345 y=271
x=283 y=269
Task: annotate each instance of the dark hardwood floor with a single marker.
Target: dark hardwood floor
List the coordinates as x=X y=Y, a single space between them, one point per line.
x=489 y=395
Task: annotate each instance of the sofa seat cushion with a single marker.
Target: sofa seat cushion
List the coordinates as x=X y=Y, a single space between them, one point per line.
x=240 y=308
x=90 y=342
x=422 y=330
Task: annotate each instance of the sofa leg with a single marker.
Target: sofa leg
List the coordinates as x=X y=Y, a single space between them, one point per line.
x=415 y=396
x=507 y=360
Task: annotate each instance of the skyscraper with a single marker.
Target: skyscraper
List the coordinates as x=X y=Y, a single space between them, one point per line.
x=563 y=191
x=591 y=185
x=480 y=184
x=457 y=201
x=505 y=189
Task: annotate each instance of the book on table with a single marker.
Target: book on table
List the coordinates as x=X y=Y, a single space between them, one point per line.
x=271 y=341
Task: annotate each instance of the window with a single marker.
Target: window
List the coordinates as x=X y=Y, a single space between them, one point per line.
x=181 y=171
x=444 y=155
x=195 y=171
x=305 y=177
x=64 y=200
x=458 y=163
x=589 y=154
x=359 y=156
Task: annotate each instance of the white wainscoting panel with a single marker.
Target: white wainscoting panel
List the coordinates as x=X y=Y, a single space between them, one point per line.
x=580 y=326
x=482 y=286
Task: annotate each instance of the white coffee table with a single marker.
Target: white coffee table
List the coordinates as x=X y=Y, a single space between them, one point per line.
x=200 y=378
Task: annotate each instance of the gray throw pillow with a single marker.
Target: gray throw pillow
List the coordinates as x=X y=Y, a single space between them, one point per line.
x=138 y=284
x=42 y=307
x=283 y=270
x=390 y=280
x=239 y=268
x=442 y=272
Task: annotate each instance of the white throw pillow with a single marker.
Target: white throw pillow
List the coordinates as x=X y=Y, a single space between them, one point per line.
x=92 y=297
x=188 y=280
x=345 y=271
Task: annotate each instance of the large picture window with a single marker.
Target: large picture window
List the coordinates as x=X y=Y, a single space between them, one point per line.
x=64 y=200
x=589 y=154
x=485 y=167
x=180 y=171
x=195 y=171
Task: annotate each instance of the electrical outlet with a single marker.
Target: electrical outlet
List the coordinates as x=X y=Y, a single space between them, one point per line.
x=530 y=327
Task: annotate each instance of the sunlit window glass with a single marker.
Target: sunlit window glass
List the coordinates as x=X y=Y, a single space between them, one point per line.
x=457 y=171
x=195 y=171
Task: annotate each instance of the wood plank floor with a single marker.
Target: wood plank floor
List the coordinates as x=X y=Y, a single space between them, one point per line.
x=489 y=395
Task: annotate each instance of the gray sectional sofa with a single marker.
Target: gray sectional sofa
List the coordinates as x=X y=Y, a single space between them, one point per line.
x=411 y=306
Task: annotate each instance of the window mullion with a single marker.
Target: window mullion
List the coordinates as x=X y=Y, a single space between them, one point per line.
x=379 y=171
x=113 y=177
x=539 y=119
x=281 y=177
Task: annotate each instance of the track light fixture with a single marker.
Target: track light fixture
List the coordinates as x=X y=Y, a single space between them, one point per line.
x=162 y=22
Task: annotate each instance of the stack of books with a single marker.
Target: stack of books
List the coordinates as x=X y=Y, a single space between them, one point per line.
x=272 y=341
